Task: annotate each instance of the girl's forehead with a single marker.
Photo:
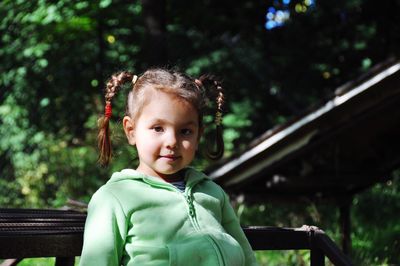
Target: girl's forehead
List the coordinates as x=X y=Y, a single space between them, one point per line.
x=163 y=105
x=165 y=97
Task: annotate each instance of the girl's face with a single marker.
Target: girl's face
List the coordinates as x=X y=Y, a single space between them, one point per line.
x=166 y=135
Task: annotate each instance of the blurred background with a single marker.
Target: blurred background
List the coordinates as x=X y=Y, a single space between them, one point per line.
x=277 y=59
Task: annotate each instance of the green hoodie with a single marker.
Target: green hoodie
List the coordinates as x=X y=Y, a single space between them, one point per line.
x=136 y=219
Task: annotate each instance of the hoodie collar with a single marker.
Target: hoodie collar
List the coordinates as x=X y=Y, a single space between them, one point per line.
x=191 y=177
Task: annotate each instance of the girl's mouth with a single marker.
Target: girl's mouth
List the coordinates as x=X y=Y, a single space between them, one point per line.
x=170 y=157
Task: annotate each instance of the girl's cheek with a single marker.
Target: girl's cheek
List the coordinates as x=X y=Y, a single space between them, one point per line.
x=189 y=144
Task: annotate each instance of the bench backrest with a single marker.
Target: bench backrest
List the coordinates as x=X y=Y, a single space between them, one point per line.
x=28 y=233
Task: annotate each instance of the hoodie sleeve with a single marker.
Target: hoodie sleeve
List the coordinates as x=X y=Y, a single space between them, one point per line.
x=105 y=231
x=232 y=226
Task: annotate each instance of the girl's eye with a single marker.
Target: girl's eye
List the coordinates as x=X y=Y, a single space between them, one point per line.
x=186 y=131
x=158 y=129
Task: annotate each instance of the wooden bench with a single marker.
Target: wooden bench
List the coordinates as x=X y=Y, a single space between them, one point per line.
x=30 y=233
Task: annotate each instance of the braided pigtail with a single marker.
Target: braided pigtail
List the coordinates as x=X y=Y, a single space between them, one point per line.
x=217 y=93
x=103 y=137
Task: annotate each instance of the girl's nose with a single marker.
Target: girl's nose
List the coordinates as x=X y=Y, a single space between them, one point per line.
x=171 y=140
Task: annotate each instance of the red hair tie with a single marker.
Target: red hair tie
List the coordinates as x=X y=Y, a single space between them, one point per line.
x=108 y=110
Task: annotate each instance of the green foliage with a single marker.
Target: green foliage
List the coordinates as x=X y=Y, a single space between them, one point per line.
x=45 y=168
x=289 y=258
x=38 y=262
x=376 y=234
x=235 y=122
x=41 y=262
x=374 y=224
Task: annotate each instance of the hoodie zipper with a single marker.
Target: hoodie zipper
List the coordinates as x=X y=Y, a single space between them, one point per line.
x=188 y=198
x=193 y=218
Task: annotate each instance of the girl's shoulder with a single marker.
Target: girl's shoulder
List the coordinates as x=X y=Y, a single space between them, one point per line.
x=116 y=189
x=120 y=185
x=125 y=195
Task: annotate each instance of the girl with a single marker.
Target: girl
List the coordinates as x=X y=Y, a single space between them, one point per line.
x=164 y=212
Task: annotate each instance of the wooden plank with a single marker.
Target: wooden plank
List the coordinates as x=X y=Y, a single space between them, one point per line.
x=45 y=245
x=273 y=238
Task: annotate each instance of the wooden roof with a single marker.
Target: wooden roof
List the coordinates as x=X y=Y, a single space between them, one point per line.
x=346 y=145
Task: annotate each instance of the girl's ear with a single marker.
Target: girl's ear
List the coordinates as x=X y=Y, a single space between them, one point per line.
x=129 y=129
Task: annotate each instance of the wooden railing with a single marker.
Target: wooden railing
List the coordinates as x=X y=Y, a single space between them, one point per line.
x=30 y=233
x=305 y=237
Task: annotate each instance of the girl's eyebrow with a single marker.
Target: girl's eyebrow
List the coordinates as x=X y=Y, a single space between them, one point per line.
x=164 y=121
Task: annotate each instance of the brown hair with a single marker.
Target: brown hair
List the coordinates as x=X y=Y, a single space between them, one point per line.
x=195 y=91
